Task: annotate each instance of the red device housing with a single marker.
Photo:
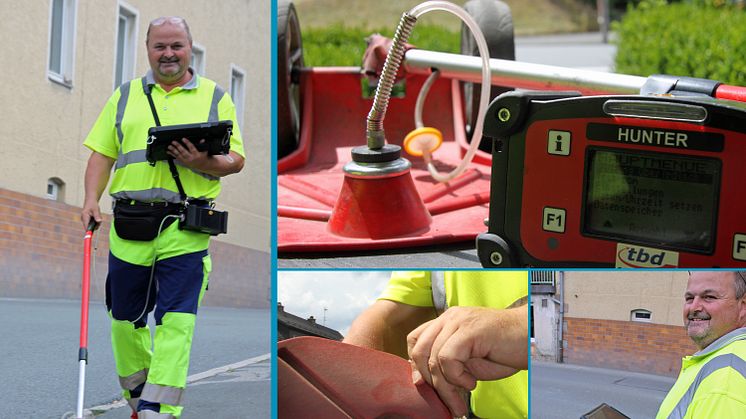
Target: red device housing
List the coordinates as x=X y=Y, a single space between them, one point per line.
x=328 y=379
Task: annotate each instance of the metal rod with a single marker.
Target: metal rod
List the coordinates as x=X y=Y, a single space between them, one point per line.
x=376 y=137
x=521 y=75
x=81 y=389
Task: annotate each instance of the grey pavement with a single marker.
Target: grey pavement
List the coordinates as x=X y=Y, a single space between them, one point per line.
x=241 y=392
x=581 y=50
x=585 y=51
x=40 y=361
x=562 y=391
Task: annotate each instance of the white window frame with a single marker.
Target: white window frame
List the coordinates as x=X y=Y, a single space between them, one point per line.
x=633 y=315
x=57 y=189
x=67 y=43
x=199 y=50
x=129 y=55
x=240 y=98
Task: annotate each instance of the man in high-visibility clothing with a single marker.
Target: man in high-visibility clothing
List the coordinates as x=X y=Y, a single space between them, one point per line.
x=463 y=331
x=712 y=382
x=152 y=262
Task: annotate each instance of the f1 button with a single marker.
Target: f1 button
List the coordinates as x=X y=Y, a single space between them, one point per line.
x=554 y=220
x=739 y=247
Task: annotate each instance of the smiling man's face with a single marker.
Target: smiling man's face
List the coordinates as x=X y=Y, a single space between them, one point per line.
x=711 y=309
x=169 y=52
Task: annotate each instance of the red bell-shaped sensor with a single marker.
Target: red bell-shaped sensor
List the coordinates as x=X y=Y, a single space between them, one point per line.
x=378 y=200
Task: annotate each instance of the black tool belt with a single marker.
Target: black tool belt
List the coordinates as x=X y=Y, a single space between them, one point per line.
x=141 y=221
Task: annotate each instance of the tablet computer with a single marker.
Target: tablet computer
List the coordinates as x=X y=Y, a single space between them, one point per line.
x=216 y=136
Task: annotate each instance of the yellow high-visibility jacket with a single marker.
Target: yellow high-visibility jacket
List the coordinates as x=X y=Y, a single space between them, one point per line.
x=712 y=382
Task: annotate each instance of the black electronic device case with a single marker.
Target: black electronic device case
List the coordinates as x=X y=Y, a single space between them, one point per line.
x=554 y=204
x=216 y=136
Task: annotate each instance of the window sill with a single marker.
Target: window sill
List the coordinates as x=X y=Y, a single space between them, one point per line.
x=58 y=79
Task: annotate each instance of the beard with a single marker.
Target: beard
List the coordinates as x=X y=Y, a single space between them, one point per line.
x=172 y=70
x=699 y=329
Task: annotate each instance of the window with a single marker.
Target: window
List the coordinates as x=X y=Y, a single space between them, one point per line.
x=237 y=92
x=55 y=189
x=124 y=67
x=542 y=277
x=641 y=315
x=198 y=58
x=61 y=41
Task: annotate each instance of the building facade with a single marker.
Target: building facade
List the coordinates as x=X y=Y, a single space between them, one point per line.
x=630 y=320
x=62 y=60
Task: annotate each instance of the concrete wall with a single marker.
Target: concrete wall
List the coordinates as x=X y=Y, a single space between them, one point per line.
x=45 y=123
x=630 y=346
x=545 y=327
x=597 y=329
x=612 y=295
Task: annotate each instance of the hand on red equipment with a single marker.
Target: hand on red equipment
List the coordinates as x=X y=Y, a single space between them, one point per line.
x=466 y=344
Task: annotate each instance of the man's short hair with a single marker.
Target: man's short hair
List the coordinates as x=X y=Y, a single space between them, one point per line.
x=740 y=284
x=176 y=20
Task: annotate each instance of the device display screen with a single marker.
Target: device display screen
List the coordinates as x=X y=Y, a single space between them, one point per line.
x=655 y=198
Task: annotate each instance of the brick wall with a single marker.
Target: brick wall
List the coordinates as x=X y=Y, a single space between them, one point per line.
x=632 y=346
x=41 y=256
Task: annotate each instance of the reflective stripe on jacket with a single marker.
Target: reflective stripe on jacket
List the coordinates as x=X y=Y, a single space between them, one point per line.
x=712 y=382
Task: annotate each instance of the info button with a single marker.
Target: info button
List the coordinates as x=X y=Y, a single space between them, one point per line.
x=558 y=142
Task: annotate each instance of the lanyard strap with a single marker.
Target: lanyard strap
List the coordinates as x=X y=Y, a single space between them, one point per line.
x=171 y=164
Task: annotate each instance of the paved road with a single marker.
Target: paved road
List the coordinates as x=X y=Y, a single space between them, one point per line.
x=40 y=369
x=563 y=391
x=584 y=51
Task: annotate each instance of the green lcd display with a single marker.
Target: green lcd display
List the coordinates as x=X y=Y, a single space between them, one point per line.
x=652 y=198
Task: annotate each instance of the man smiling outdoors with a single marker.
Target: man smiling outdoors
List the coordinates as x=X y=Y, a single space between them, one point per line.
x=712 y=382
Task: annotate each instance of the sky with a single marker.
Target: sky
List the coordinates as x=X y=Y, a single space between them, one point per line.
x=345 y=294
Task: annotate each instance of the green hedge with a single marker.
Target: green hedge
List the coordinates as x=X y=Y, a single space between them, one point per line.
x=344 y=46
x=704 y=38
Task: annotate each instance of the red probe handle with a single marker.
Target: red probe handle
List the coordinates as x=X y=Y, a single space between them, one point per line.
x=85 y=288
x=725 y=91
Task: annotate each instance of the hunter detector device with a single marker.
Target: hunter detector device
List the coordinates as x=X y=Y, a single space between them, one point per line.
x=624 y=181
x=216 y=136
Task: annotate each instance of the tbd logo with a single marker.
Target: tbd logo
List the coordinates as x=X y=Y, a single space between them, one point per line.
x=630 y=256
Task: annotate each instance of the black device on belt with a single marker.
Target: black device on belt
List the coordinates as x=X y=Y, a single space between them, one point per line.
x=196 y=215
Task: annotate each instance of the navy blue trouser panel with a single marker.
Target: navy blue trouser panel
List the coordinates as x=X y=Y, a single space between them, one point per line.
x=127 y=290
x=179 y=284
x=175 y=287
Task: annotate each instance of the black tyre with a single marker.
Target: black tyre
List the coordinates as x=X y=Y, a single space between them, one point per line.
x=289 y=63
x=496 y=22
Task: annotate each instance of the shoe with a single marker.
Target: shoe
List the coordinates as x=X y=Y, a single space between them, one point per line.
x=134 y=415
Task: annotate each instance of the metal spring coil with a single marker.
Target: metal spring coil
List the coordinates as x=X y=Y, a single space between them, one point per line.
x=375 y=135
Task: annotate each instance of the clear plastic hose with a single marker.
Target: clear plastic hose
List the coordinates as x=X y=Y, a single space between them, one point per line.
x=484 y=98
x=426 y=155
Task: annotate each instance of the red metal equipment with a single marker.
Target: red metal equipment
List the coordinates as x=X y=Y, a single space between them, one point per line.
x=336 y=380
x=310 y=179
